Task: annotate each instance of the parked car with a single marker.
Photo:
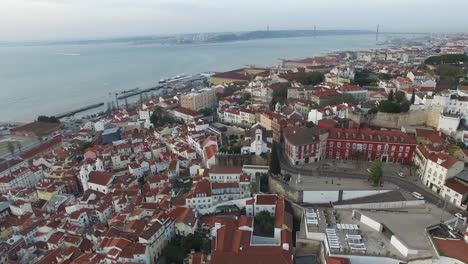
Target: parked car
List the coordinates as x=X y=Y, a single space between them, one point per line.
x=368 y=170
x=401 y=174
x=459 y=215
x=417 y=195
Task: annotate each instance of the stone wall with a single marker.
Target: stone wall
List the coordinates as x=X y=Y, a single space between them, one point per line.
x=428 y=117
x=278 y=187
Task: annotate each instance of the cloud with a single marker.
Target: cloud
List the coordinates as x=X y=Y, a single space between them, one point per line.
x=45 y=19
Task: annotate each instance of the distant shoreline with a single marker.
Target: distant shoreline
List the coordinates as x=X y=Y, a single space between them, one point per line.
x=171 y=39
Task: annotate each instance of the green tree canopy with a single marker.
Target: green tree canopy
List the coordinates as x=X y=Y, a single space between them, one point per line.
x=206 y=111
x=391 y=96
x=376 y=172
x=264 y=224
x=310 y=78
x=275 y=166
x=160 y=118
x=389 y=107
x=48 y=119
x=400 y=96
x=11 y=148
x=447 y=58
x=280 y=94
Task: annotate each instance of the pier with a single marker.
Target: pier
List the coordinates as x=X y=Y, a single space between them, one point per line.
x=76 y=111
x=187 y=80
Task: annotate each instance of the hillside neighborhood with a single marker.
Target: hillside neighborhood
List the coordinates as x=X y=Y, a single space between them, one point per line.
x=348 y=157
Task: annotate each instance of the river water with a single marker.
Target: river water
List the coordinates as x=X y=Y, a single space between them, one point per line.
x=51 y=79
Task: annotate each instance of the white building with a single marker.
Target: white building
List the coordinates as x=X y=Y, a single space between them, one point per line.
x=455 y=191
x=261 y=202
x=448 y=124
x=258 y=144
x=225 y=174
x=436 y=168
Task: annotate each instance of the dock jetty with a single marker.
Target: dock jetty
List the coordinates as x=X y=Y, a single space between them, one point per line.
x=78 y=110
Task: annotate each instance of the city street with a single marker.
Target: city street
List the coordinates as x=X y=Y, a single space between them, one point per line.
x=358 y=170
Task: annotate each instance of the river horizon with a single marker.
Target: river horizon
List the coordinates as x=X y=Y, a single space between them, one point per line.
x=51 y=79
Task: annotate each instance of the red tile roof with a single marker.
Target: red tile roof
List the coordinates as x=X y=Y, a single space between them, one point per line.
x=371 y=135
x=187 y=111
x=350 y=88
x=457 y=186
x=226 y=169
x=100 y=178
x=183 y=215
x=443 y=160
x=452 y=248
x=266 y=199
x=338 y=260
x=41 y=148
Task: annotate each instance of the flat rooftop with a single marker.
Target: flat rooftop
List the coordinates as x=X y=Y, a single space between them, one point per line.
x=410 y=224
x=407 y=224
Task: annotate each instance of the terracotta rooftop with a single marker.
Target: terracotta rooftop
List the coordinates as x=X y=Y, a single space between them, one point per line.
x=38 y=128
x=266 y=199
x=100 y=178
x=371 y=135
x=226 y=170
x=457 y=186
x=452 y=248
x=301 y=136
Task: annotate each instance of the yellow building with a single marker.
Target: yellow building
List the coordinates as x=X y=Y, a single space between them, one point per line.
x=201 y=99
x=237 y=76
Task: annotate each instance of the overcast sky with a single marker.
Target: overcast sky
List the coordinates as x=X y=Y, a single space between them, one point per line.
x=79 y=19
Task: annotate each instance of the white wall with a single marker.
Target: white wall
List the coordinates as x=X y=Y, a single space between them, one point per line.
x=386 y=205
x=317 y=197
x=369 y=259
x=371 y=223
x=357 y=194
x=404 y=250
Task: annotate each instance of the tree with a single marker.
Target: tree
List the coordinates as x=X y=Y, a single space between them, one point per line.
x=84 y=146
x=280 y=94
x=413 y=97
x=339 y=99
x=310 y=78
x=264 y=178
x=11 y=148
x=447 y=58
x=48 y=119
x=400 y=96
x=365 y=77
x=173 y=253
x=391 y=96
x=275 y=166
x=376 y=172
x=246 y=97
x=160 y=118
x=264 y=224
x=405 y=106
x=389 y=107
x=206 y=111
x=19 y=146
